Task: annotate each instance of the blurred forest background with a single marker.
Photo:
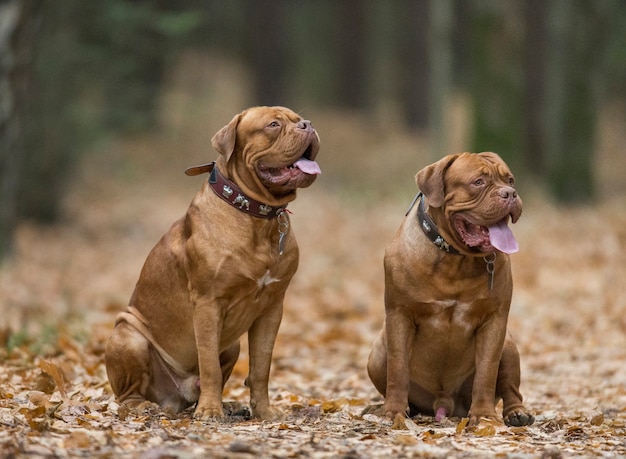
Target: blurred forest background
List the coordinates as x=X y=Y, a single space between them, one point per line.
x=104 y=103
x=530 y=79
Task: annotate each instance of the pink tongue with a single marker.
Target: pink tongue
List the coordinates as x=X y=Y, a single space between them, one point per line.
x=501 y=237
x=307 y=166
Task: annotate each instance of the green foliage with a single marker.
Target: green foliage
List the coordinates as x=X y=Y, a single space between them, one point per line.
x=579 y=57
x=496 y=85
x=16 y=340
x=97 y=70
x=122 y=50
x=99 y=67
x=42 y=344
x=615 y=70
x=559 y=112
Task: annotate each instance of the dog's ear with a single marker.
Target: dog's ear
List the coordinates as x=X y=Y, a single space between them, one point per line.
x=225 y=139
x=430 y=180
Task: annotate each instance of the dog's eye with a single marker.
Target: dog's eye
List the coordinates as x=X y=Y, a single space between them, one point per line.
x=479 y=182
x=274 y=124
x=512 y=181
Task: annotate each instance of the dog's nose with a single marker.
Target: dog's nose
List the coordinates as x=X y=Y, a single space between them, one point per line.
x=305 y=125
x=508 y=192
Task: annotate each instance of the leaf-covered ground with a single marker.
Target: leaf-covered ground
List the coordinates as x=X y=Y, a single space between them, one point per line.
x=60 y=294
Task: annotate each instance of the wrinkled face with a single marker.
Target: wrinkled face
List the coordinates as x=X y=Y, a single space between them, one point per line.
x=275 y=143
x=478 y=200
x=270 y=149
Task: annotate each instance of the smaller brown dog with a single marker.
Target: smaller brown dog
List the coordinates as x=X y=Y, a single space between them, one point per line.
x=220 y=271
x=444 y=348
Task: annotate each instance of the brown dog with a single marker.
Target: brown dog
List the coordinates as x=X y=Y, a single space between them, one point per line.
x=220 y=271
x=444 y=348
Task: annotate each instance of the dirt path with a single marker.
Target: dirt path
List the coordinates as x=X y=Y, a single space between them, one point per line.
x=59 y=297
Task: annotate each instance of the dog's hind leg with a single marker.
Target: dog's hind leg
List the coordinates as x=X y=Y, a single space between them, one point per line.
x=228 y=359
x=127 y=358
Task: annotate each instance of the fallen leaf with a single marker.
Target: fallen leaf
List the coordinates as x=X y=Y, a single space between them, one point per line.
x=597 y=420
x=56 y=373
x=332 y=406
x=431 y=435
x=461 y=425
x=406 y=439
x=45 y=383
x=77 y=439
x=574 y=433
x=410 y=425
x=399 y=422
x=485 y=428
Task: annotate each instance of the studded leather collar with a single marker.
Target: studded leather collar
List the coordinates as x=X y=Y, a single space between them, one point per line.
x=232 y=194
x=429 y=228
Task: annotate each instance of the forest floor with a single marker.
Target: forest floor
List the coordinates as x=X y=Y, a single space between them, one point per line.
x=60 y=293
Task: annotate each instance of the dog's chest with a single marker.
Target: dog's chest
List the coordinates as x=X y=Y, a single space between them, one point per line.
x=265 y=286
x=266 y=279
x=451 y=318
x=262 y=284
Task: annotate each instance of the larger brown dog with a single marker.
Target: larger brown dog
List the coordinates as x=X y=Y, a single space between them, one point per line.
x=444 y=348
x=220 y=271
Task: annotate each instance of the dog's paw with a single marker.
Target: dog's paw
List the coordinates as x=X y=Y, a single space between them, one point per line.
x=237 y=409
x=268 y=414
x=398 y=419
x=207 y=413
x=392 y=410
x=376 y=410
x=519 y=417
x=137 y=407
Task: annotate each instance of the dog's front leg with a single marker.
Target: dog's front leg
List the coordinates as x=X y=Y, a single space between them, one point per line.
x=400 y=335
x=261 y=338
x=207 y=321
x=489 y=343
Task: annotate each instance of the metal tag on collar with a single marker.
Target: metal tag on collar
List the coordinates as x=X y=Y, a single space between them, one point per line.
x=491 y=268
x=283 y=229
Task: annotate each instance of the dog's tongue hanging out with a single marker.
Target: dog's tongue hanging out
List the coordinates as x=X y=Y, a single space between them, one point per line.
x=501 y=237
x=307 y=166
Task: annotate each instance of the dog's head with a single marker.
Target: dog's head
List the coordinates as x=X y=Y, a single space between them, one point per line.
x=473 y=196
x=269 y=151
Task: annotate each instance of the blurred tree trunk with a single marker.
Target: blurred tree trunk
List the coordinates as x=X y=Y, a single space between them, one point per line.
x=267 y=50
x=579 y=38
x=535 y=73
x=440 y=44
x=461 y=41
x=17 y=33
x=351 y=51
x=414 y=76
x=496 y=88
x=89 y=82
x=50 y=140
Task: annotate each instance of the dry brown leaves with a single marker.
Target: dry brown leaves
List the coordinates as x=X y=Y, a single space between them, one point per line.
x=59 y=295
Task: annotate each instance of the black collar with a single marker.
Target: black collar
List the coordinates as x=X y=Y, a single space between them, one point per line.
x=429 y=228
